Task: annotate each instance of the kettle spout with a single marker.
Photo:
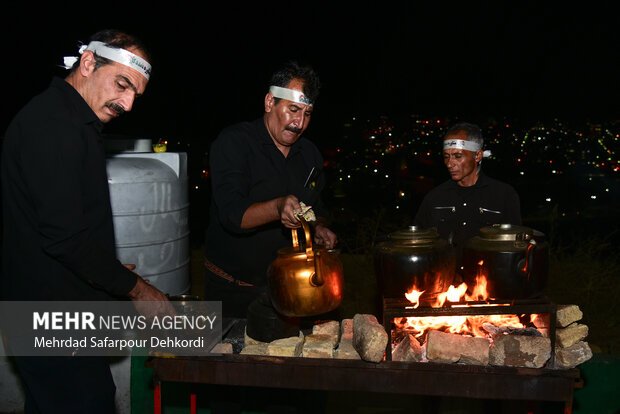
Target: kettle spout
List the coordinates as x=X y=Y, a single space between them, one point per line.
x=316 y=279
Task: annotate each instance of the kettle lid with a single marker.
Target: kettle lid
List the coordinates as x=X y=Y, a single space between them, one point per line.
x=416 y=235
x=507 y=232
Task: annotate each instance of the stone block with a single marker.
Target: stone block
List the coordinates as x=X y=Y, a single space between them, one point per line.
x=346 y=327
x=255 y=349
x=286 y=347
x=318 y=346
x=520 y=351
x=567 y=314
x=447 y=348
x=346 y=350
x=330 y=328
x=369 y=337
x=566 y=358
x=222 y=348
x=573 y=333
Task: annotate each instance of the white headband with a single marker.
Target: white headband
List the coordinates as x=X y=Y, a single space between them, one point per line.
x=290 y=94
x=466 y=145
x=119 y=55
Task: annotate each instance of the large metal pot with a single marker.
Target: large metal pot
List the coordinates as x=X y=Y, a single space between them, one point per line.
x=414 y=257
x=305 y=281
x=514 y=259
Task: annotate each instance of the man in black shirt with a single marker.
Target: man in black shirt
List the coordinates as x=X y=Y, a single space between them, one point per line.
x=261 y=171
x=57 y=221
x=459 y=207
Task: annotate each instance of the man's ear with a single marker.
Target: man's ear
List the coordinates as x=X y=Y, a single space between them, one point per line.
x=269 y=102
x=478 y=156
x=87 y=63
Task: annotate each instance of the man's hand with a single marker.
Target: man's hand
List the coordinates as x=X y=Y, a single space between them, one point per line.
x=324 y=236
x=286 y=209
x=150 y=301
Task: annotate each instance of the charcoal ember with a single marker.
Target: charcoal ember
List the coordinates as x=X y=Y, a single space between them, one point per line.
x=400 y=334
x=509 y=330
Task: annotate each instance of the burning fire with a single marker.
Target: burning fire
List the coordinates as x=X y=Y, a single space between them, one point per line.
x=466 y=324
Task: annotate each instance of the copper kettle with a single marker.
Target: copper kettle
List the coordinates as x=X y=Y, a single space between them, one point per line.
x=305 y=281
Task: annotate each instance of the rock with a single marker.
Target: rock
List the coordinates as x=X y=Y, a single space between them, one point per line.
x=408 y=350
x=255 y=349
x=346 y=350
x=567 y=358
x=222 y=348
x=331 y=328
x=286 y=347
x=369 y=337
x=573 y=333
x=318 y=346
x=520 y=351
x=448 y=348
x=346 y=327
x=567 y=314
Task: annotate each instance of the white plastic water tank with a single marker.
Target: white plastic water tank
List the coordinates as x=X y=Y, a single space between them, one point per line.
x=150 y=208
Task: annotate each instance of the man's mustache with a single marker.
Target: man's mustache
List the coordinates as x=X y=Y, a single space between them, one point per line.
x=116 y=108
x=294 y=129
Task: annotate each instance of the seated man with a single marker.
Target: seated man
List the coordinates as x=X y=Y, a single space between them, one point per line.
x=459 y=207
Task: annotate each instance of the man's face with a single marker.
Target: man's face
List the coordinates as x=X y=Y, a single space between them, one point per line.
x=461 y=164
x=111 y=90
x=286 y=121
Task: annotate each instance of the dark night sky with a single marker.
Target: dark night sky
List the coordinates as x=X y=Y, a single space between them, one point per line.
x=211 y=66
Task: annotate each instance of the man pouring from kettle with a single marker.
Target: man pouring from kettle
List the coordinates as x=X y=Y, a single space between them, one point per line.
x=261 y=171
x=470 y=200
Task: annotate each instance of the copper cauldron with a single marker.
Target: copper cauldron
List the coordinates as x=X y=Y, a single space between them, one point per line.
x=305 y=281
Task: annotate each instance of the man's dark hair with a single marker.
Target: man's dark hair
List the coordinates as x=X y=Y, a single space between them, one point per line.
x=117 y=39
x=293 y=70
x=472 y=131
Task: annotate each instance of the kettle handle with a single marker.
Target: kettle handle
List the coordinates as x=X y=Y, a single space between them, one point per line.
x=525 y=264
x=308 y=236
x=316 y=279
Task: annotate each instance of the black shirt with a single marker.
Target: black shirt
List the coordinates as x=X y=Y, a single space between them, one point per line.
x=246 y=168
x=459 y=212
x=58 y=234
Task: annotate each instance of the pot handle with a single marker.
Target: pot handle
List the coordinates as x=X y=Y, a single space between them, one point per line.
x=525 y=264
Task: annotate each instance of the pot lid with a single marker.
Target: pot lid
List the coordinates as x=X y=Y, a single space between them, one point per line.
x=415 y=234
x=506 y=232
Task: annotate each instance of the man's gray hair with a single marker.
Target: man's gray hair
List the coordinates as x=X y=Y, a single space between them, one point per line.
x=472 y=131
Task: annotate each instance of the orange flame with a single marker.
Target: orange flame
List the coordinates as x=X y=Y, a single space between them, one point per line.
x=465 y=325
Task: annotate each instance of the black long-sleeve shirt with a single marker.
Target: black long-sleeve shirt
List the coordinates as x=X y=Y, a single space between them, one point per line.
x=58 y=234
x=246 y=168
x=459 y=212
